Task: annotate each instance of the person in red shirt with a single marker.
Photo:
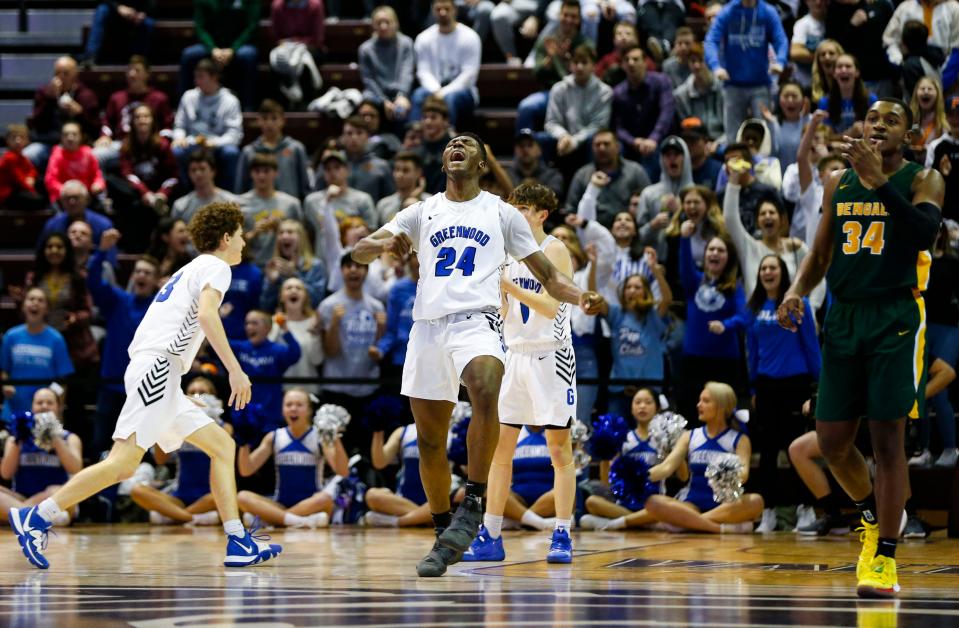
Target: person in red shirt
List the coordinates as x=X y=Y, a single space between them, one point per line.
x=18 y=176
x=72 y=160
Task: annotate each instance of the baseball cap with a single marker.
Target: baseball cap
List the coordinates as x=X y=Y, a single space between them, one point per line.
x=524 y=133
x=672 y=143
x=333 y=153
x=952 y=104
x=693 y=128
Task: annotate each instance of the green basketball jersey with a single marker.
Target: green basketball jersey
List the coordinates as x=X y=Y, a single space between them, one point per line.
x=872 y=255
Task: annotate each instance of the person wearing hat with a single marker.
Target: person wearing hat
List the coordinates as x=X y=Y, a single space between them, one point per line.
x=943 y=155
x=659 y=201
x=528 y=163
x=705 y=167
x=325 y=209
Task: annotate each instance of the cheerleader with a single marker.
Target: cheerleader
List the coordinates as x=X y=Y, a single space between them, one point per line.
x=407 y=506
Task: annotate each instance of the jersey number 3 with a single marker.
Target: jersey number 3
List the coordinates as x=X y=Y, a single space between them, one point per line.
x=164 y=294
x=874 y=239
x=447 y=258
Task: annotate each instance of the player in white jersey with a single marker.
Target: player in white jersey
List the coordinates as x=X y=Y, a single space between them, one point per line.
x=540 y=383
x=156 y=411
x=462 y=237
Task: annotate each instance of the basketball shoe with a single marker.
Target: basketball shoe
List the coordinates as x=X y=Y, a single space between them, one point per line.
x=485 y=548
x=435 y=563
x=31 y=530
x=247 y=550
x=561 y=547
x=466 y=522
x=869 y=537
x=879 y=580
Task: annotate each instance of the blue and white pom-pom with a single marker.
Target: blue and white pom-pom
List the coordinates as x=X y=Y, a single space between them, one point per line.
x=46 y=428
x=579 y=436
x=629 y=482
x=212 y=405
x=725 y=476
x=664 y=432
x=330 y=421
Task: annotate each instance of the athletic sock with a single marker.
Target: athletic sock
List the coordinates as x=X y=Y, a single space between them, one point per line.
x=48 y=509
x=910 y=507
x=441 y=521
x=475 y=489
x=887 y=547
x=533 y=520
x=493 y=525
x=619 y=523
x=867 y=508
x=829 y=504
x=562 y=523
x=234 y=527
x=290 y=520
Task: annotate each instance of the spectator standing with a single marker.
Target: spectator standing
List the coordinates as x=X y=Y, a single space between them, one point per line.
x=700 y=207
x=752 y=192
x=742 y=33
x=409 y=183
x=787 y=124
x=387 y=66
x=292 y=164
x=528 y=163
x=808 y=31
x=209 y=116
x=18 y=176
x=126 y=25
x=302 y=321
x=63 y=99
x=824 y=65
x=700 y=96
x=263 y=209
x=848 y=99
x=447 y=64
x=226 y=30
x=293 y=258
x=72 y=160
x=643 y=110
x=661 y=22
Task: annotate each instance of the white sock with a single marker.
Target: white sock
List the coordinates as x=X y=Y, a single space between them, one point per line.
x=619 y=523
x=561 y=523
x=234 y=527
x=381 y=520
x=290 y=520
x=48 y=509
x=493 y=524
x=533 y=520
x=210 y=518
x=62 y=518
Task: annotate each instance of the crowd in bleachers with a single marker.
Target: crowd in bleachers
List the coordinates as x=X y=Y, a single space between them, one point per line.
x=687 y=144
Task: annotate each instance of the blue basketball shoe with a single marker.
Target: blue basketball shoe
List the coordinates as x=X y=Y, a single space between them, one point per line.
x=485 y=548
x=561 y=548
x=31 y=530
x=247 y=551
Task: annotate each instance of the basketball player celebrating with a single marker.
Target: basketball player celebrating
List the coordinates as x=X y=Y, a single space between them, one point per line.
x=540 y=383
x=156 y=411
x=462 y=237
x=879 y=219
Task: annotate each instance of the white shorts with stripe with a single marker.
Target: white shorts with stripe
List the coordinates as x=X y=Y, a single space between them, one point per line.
x=156 y=409
x=439 y=350
x=539 y=388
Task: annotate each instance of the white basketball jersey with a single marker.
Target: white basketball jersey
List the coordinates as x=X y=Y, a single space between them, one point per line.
x=461 y=248
x=523 y=327
x=171 y=324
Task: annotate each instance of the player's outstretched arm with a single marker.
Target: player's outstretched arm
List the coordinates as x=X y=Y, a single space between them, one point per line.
x=559 y=286
x=212 y=326
x=374 y=245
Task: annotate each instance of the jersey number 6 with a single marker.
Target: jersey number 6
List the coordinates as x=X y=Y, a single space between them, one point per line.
x=447 y=258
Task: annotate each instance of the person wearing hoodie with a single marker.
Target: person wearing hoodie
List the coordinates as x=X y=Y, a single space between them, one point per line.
x=659 y=201
x=579 y=106
x=209 y=115
x=755 y=135
x=643 y=108
x=293 y=176
x=742 y=34
x=701 y=95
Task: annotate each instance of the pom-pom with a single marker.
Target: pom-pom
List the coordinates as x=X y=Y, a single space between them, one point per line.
x=456 y=449
x=724 y=474
x=579 y=437
x=581 y=459
x=664 y=432
x=629 y=482
x=22 y=426
x=46 y=428
x=330 y=421
x=212 y=405
x=383 y=412
x=462 y=411
x=609 y=432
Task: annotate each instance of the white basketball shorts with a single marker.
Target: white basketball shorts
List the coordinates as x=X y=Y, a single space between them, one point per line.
x=156 y=410
x=539 y=388
x=439 y=350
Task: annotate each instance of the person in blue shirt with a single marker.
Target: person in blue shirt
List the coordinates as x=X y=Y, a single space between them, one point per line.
x=35 y=472
x=848 y=99
x=399 y=319
x=407 y=506
x=694 y=508
x=33 y=350
x=638 y=327
x=246 y=288
x=740 y=37
x=261 y=357
x=301 y=500
x=628 y=511
x=783 y=367
x=711 y=294
x=74 y=199
x=122 y=310
x=187 y=499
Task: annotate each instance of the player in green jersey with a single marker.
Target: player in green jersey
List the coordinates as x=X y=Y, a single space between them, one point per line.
x=879 y=219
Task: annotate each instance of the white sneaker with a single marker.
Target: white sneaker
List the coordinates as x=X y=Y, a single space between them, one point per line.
x=159 y=520
x=379 y=520
x=948 y=458
x=593 y=522
x=805 y=516
x=768 y=523
x=746 y=527
x=210 y=518
x=922 y=460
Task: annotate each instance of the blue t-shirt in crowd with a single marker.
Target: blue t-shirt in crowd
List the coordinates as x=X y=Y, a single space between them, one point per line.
x=268 y=359
x=32 y=356
x=848 y=116
x=704 y=303
x=776 y=352
x=243 y=296
x=399 y=321
x=638 y=343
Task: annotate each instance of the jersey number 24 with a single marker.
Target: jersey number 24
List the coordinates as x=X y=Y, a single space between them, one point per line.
x=446 y=261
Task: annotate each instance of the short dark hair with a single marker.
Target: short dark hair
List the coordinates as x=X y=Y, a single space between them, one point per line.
x=568 y=4
x=212 y=222
x=202 y=155
x=826 y=159
x=534 y=194
x=347 y=259
x=207 y=65
x=684 y=30
x=409 y=156
x=738 y=147
x=436 y=104
x=914 y=36
x=477 y=138
x=605 y=130
x=264 y=160
x=584 y=52
x=139 y=60
x=149 y=259
x=269 y=106
x=902 y=105
x=357 y=122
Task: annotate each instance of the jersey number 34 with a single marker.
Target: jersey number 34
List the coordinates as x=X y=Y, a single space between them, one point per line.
x=446 y=261
x=873 y=240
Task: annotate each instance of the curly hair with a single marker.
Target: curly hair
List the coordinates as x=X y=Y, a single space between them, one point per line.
x=533 y=194
x=212 y=222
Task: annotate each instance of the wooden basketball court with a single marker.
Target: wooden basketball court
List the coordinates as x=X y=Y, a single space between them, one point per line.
x=145 y=576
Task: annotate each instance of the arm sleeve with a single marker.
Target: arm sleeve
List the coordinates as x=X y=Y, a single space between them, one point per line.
x=51 y=179
x=713 y=40
x=199 y=21
x=734 y=221
x=315 y=281
x=406 y=68
x=232 y=119
x=252 y=23
x=554 y=114
x=921 y=221
x=779 y=40
x=688 y=273
x=620 y=116
x=292 y=353
x=667 y=111
x=891 y=37
x=424 y=61
x=104 y=295
x=471 y=49
x=752 y=347
x=386 y=343
x=61 y=356
x=598 y=117
x=368 y=74
x=586 y=209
